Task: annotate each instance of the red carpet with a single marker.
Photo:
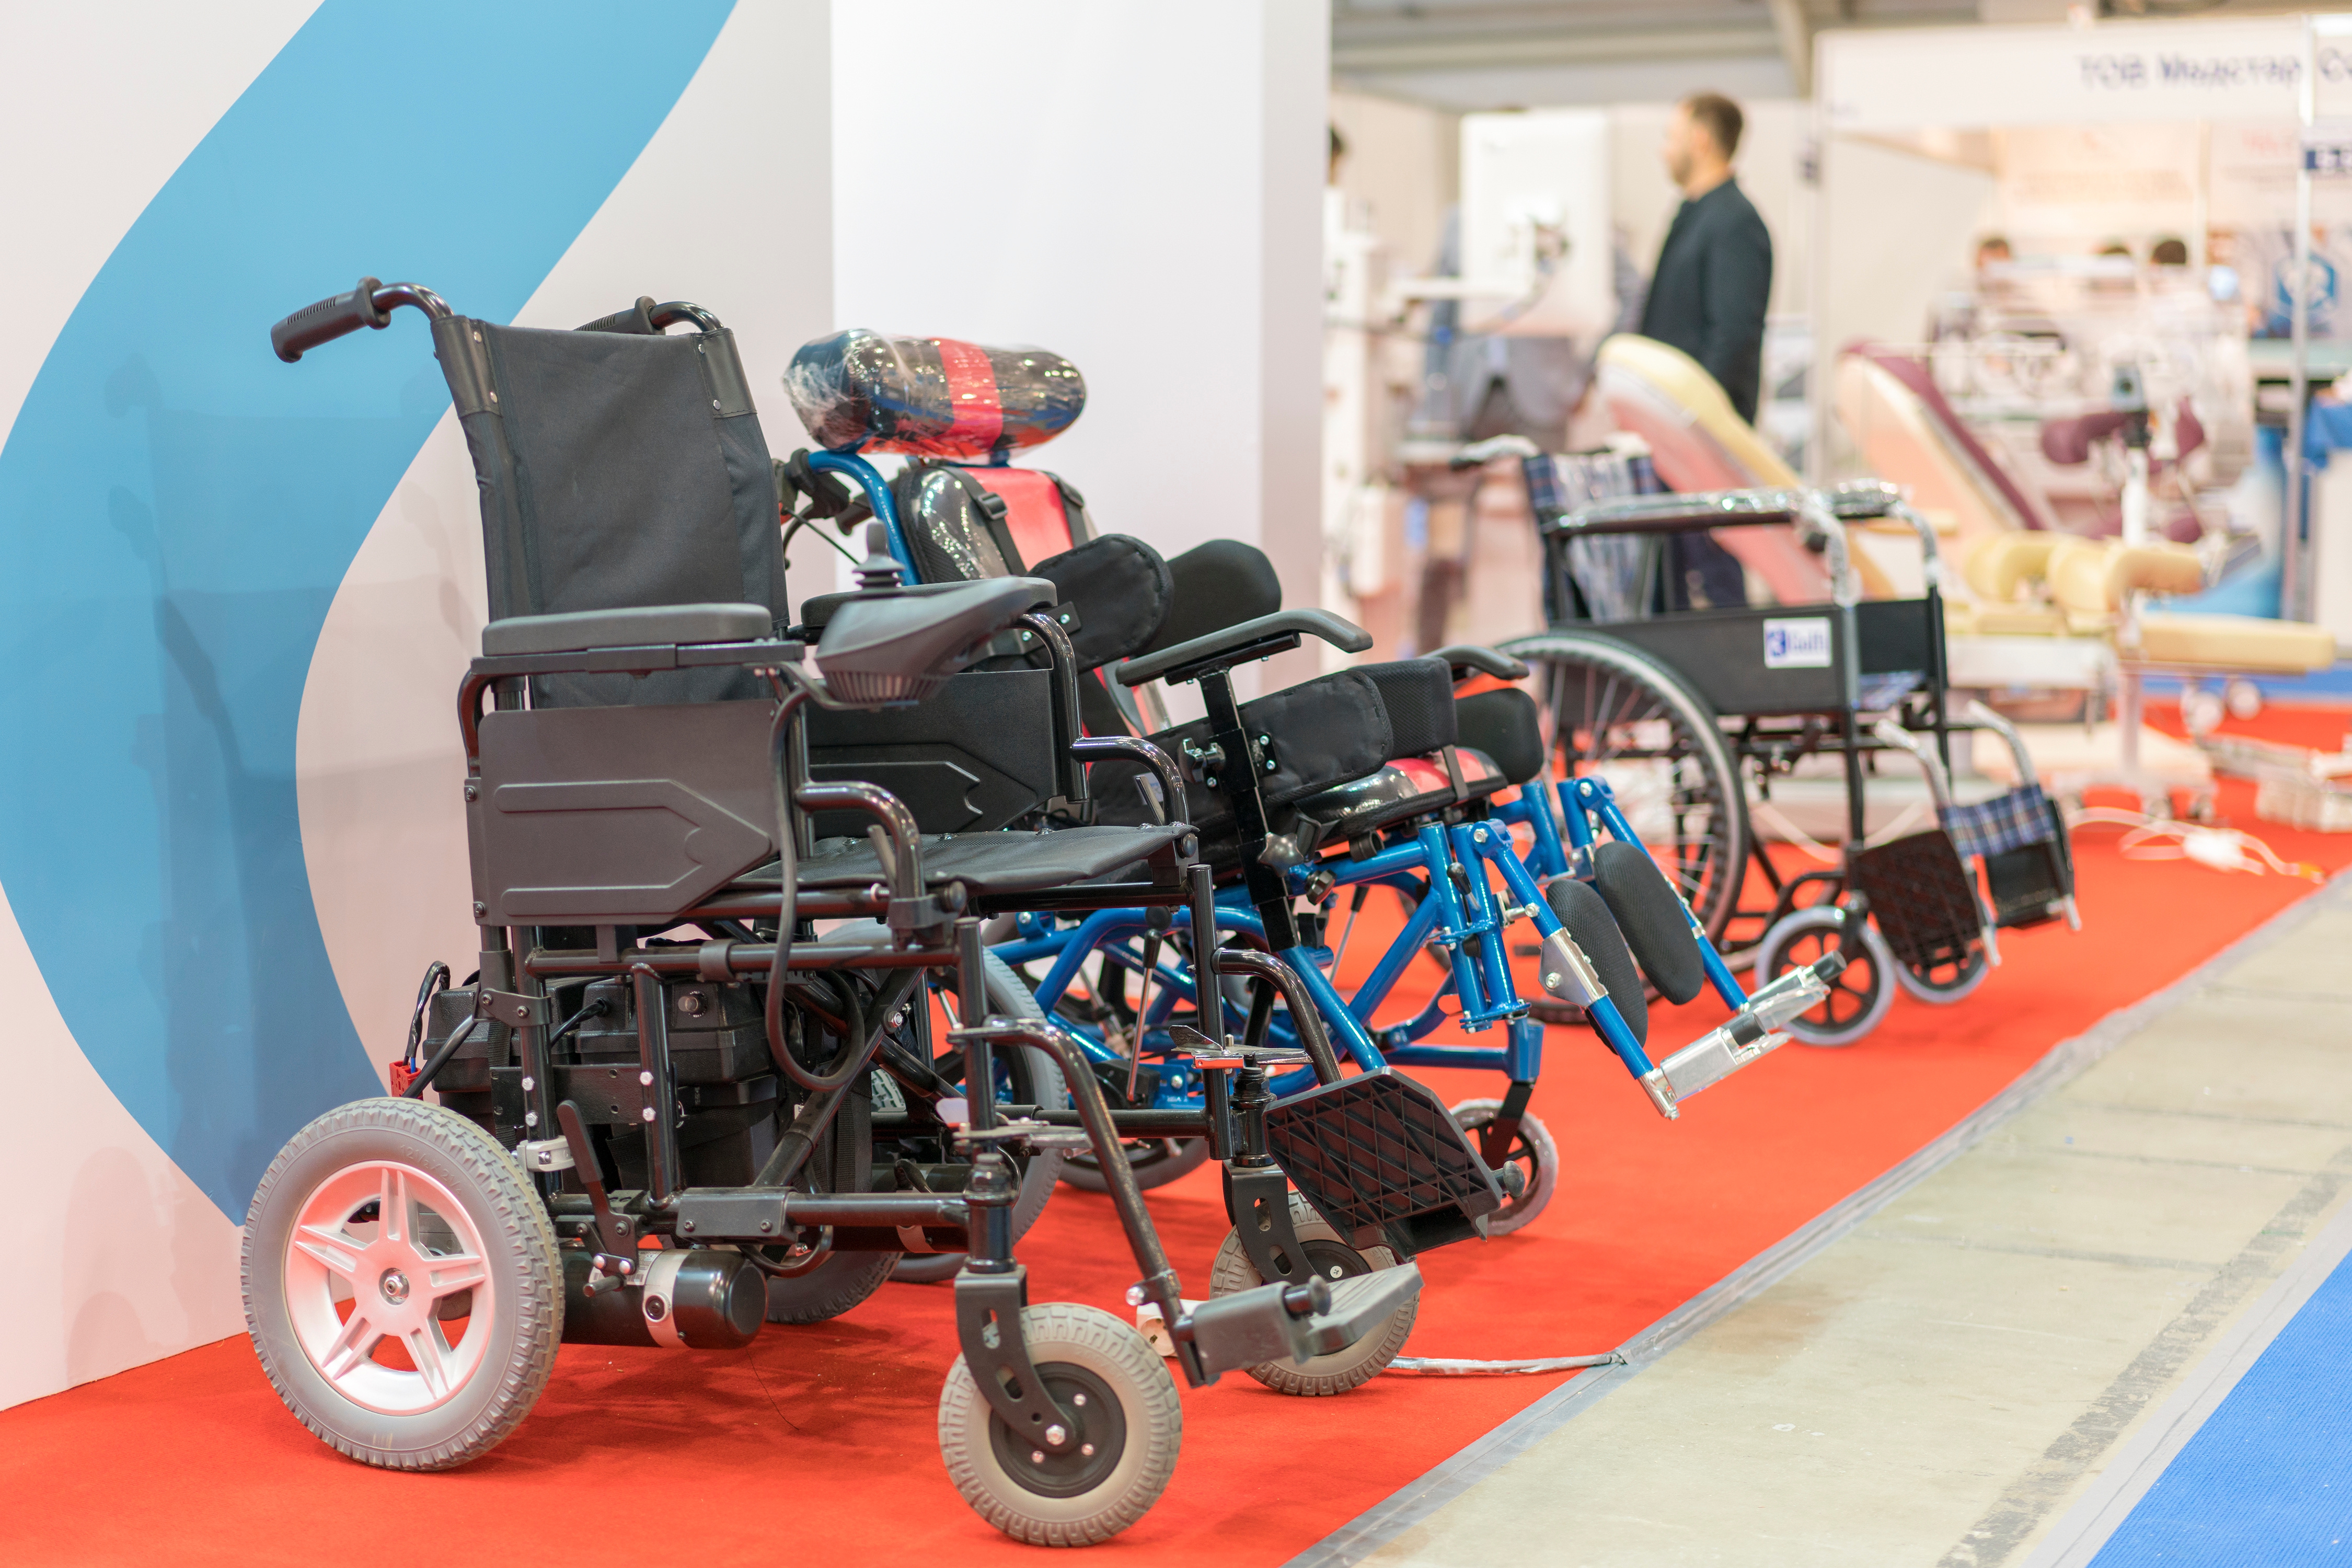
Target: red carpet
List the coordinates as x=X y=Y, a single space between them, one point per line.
x=817 y=1446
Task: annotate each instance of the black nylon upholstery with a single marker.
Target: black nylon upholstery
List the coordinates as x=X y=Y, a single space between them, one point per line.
x=1507 y=726
x=1121 y=589
x=609 y=480
x=1418 y=696
x=1218 y=585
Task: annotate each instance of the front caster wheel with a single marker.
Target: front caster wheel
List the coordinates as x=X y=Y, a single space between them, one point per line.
x=1129 y=1427
x=1332 y=1257
x=1942 y=984
x=1858 y=997
x=401 y=1285
x=1531 y=1151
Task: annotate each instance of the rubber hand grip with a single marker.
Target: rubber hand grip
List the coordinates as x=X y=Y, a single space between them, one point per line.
x=328 y=320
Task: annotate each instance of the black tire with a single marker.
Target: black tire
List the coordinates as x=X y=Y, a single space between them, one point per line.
x=1597 y=692
x=835 y=1284
x=1858 y=998
x=1084 y=1498
x=1532 y=1151
x=1034 y=1073
x=1941 y=985
x=309 y=1250
x=1156 y=1161
x=1341 y=1369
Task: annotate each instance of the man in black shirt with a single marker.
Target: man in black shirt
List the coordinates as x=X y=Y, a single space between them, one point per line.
x=1715 y=270
x=1707 y=298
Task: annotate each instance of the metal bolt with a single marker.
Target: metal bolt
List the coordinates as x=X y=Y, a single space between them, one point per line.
x=1080 y=1401
x=494 y=397
x=1478 y=835
x=478 y=337
x=480 y=908
x=528 y=1085
x=530 y=1118
x=714 y=402
x=1550 y=980
x=1335 y=1271
x=1088 y=1450
x=1057 y=1434
x=685 y=1224
x=692 y=1003
x=1265 y=740
x=1135 y=1295
x=648 y=1113
x=395 y=1289
x=646 y=1076
x=764 y=1226
x=1036 y=1455
x=473 y=792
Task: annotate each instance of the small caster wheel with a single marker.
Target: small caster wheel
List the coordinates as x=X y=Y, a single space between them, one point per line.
x=1342 y=1369
x=1858 y=997
x=1129 y=1428
x=1941 y=985
x=2201 y=711
x=1532 y=1152
x=401 y=1285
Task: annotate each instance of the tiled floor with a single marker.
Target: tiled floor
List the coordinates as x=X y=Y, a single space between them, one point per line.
x=1941 y=1384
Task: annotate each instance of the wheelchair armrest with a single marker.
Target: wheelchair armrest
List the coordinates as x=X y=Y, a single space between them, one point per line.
x=648 y=626
x=817 y=613
x=1467 y=660
x=1260 y=638
x=896 y=647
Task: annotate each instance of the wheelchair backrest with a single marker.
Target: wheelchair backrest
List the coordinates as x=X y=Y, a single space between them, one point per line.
x=616 y=469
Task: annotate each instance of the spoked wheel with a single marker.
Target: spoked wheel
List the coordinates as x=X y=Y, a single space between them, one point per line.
x=1616 y=712
x=1332 y=1257
x=1108 y=1377
x=401 y=1285
x=1946 y=982
x=1858 y=997
x=1531 y=1151
x=1025 y=1075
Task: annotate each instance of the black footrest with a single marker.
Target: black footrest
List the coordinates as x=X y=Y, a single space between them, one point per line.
x=1378 y=1156
x=1254 y=1327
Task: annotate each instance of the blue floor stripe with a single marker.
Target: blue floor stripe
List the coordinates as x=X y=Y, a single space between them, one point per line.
x=2267 y=1481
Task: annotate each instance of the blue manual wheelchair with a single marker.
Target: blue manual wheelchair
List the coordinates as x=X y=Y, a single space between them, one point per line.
x=1378 y=777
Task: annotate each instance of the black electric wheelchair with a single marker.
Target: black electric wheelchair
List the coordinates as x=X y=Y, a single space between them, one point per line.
x=666 y=1091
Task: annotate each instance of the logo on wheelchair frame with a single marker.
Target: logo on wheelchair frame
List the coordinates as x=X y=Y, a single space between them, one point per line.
x=1797 y=643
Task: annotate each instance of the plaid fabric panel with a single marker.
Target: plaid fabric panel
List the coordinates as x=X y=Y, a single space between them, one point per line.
x=2006 y=822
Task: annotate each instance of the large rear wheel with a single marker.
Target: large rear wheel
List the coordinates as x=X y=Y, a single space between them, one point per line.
x=1615 y=712
x=401 y=1285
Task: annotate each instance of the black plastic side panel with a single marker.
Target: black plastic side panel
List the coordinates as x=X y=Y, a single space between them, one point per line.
x=618 y=816
x=972 y=758
x=1722 y=655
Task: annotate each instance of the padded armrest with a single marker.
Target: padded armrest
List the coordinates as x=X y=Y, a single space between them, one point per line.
x=1468 y=659
x=646 y=627
x=816 y=613
x=1239 y=644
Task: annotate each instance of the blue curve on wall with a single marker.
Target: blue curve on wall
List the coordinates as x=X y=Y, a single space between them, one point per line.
x=177 y=509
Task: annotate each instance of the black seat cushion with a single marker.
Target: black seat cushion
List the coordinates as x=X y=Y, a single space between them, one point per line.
x=993 y=864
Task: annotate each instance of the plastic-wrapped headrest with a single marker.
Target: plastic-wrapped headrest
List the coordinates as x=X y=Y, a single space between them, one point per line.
x=931 y=397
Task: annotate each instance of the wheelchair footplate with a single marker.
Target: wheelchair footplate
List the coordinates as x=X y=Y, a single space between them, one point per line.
x=1750 y=1034
x=1380 y=1156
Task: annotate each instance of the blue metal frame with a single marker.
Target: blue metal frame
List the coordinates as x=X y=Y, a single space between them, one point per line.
x=879 y=498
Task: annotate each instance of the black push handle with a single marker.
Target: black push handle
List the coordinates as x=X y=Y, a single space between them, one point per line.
x=636 y=320
x=328 y=320
x=370 y=304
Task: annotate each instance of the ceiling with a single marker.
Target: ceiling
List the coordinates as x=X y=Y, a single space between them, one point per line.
x=1500 y=54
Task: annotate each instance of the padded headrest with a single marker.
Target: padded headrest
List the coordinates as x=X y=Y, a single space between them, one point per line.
x=932 y=397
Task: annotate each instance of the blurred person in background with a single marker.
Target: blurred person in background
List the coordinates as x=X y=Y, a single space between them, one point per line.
x=1707 y=297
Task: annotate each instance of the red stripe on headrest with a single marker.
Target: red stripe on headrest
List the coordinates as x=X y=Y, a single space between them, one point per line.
x=972 y=394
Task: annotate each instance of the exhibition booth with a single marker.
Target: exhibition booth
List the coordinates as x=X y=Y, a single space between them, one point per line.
x=1113 y=817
